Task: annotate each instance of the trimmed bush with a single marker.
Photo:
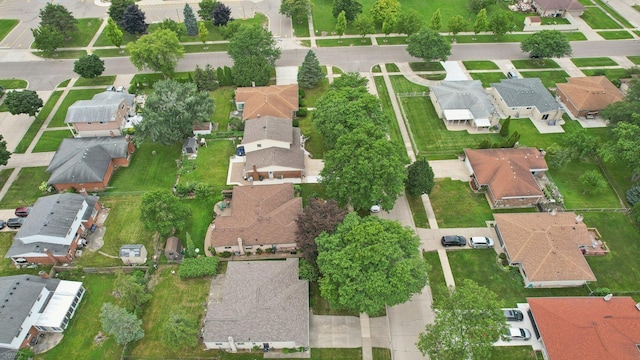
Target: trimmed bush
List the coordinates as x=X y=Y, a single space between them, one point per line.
x=197 y=267
x=226 y=254
x=633 y=195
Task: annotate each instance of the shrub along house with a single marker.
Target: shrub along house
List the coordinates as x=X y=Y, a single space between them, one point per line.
x=104 y=115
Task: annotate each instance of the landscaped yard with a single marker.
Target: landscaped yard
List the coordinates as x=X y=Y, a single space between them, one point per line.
x=598 y=19
x=50 y=140
x=86 y=30
x=426 y=66
x=393 y=128
x=535 y=64
x=212 y=164
x=594 y=61
x=6 y=25
x=312 y=190
x=201 y=217
x=487 y=78
x=418 y=212
x=4 y=176
x=315 y=140
x=24 y=190
x=401 y=85
x=97 y=81
x=37 y=122
x=615 y=35
x=634 y=59
x=548 y=78
x=312 y=95
x=566 y=178
x=6 y=265
x=611 y=74
x=480 y=65
x=72 y=97
x=62 y=54
x=13 y=84
x=320 y=306
x=455 y=205
x=343 y=42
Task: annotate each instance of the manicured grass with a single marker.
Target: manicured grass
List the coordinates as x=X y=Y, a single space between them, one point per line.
x=62 y=54
x=488 y=77
x=315 y=143
x=548 y=78
x=434 y=77
x=598 y=19
x=103 y=53
x=147 y=172
x=535 y=64
x=64 y=83
x=481 y=266
x=391 y=40
x=170 y=296
x=513 y=352
x=343 y=42
x=418 y=212
x=436 y=275
x=594 y=61
x=393 y=128
x=566 y=179
x=97 y=81
x=319 y=306
x=401 y=84
x=78 y=341
x=619 y=176
x=308 y=190
x=212 y=164
x=312 y=95
x=13 y=84
x=637 y=7
x=480 y=65
x=634 y=59
x=619 y=269
x=6 y=25
x=87 y=28
x=391 y=67
x=50 y=140
x=224 y=105
x=72 y=97
x=426 y=66
x=611 y=74
x=201 y=48
x=24 y=190
x=489 y=38
x=6 y=265
x=336 y=70
x=102 y=40
x=615 y=35
x=381 y=354
x=201 y=217
x=300 y=27
x=614 y=13
x=555 y=21
x=37 y=123
x=4 y=176
x=455 y=205
x=147 y=80
x=376 y=69
x=336 y=354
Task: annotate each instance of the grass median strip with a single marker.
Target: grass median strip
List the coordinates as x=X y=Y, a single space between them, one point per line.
x=37 y=122
x=594 y=61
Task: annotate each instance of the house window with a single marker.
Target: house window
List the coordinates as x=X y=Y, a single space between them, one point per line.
x=89 y=123
x=545 y=116
x=248 y=247
x=218 y=344
x=259 y=145
x=529 y=108
x=101 y=122
x=227 y=247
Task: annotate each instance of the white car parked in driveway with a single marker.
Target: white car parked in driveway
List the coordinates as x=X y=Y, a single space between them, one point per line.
x=478 y=242
x=519 y=334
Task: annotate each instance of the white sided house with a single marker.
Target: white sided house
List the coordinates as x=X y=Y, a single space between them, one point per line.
x=463 y=103
x=526 y=98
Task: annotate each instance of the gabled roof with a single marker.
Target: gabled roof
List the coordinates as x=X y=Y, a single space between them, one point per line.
x=547 y=5
x=468 y=94
x=131 y=250
x=526 y=92
x=507 y=172
x=590 y=93
x=261 y=301
x=260 y=214
x=546 y=245
x=277 y=100
x=268 y=127
x=85 y=160
x=588 y=328
x=103 y=107
x=292 y=158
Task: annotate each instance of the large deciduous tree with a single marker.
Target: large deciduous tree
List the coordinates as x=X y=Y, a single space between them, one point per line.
x=176 y=27
x=364 y=168
x=132 y=294
x=162 y=212
x=114 y=34
x=429 y=45
x=205 y=78
x=47 y=39
x=89 y=66
x=5 y=154
x=351 y=8
x=627 y=110
x=158 y=51
x=385 y=10
x=117 y=8
x=122 y=325
x=365 y=26
x=468 y=321
x=409 y=22
x=341 y=25
x=624 y=147
x=482 y=22
x=172 y=110
x=205 y=10
x=221 y=14
x=457 y=24
x=546 y=44
x=500 y=23
x=310 y=71
x=180 y=330
x=23 y=102
x=59 y=18
x=318 y=216
x=254 y=53
x=419 y=178
x=295 y=9
x=133 y=20
x=368 y=263
x=190 y=22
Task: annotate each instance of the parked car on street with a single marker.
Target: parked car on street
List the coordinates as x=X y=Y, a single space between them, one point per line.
x=519 y=334
x=478 y=242
x=453 y=240
x=513 y=314
x=23 y=211
x=15 y=223
x=2 y=224
x=375 y=208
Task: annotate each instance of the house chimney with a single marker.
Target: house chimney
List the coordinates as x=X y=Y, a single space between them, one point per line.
x=43 y=274
x=50 y=256
x=255 y=172
x=240 y=246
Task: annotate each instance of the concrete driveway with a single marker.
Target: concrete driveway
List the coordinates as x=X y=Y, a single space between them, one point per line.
x=327 y=331
x=430 y=238
x=453 y=169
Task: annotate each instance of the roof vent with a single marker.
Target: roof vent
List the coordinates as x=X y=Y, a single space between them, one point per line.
x=638 y=347
x=608 y=297
x=638 y=306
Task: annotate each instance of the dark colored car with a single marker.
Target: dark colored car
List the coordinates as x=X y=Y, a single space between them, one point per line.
x=23 y=211
x=513 y=314
x=453 y=240
x=2 y=224
x=15 y=223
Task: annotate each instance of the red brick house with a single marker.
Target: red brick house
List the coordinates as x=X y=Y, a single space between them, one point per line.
x=104 y=115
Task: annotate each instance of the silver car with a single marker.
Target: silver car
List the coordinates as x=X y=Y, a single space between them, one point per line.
x=519 y=334
x=478 y=242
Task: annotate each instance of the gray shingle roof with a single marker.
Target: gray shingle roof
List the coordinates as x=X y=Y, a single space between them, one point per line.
x=467 y=94
x=131 y=250
x=262 y=301
x=276 y=156
x=526 y=92
x=102 y=107
x=267 y=127
x=17 y=296
x=84 y=160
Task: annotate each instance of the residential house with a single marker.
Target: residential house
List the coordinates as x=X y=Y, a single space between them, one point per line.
x=508 y=175
x=587 y=328
x=54 y=228
x=32 y=305
x=88 y=163
x=277 y=100
x=173 y=249
x=262 y=304
x=463 y=102
x=104 y=115
x=526 y=98
x=558 y=8
x=547 y=248
x=258 y=217
x=587 y=96
x=272 y=149
x=133 y=254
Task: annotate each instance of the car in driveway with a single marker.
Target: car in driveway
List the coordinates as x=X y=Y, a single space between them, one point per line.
x=23 y=211
x=453 y=240
x=513 y=314
x=480 y=242
x=519 y=334
x=111 y=88
x=2 y=224
x=15 y=223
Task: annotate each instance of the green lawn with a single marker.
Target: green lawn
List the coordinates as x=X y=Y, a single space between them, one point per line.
x=319 y=306
x=147 y=172
x=613 y=13
x=315 y=143
x=337 y=354
x=573 y=191
x=24 y=190
x=37 y=122
x=381 y=354
x=615 y=35
x=594 y=61
x=343 y=42
x=64 y=83
x=392 y=40
x=6 y=265
x=555 y=21
x=312 y=95
x=62 y=54
x=513 y=352
x=50 y=140
x=97 y=81
x=426 y=66
x=391 y=67
x=4 y=176
x=72 y=97
x=300 y=27
x=212 y=164
x=634 y=59
x=13 y=84
x=535 y=64
x=548 y=78
x=418 y=212
x=611 y=74
x=104 y=53
x=87 y=28
x=201 y=217
x=598 y=19
x=223 y=100
x=6 y=25
x=455 y=205
x=488 y=77
x=392 y=125
x=401 y=85
x=436 y=275
x=480 y=65
x=490 y=38
x=201 y=48
x=312 y=190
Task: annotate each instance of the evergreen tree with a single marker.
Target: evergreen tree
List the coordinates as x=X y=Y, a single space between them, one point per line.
x=203 y=32
x=436 y=21
x=504 y=130
x=133 y=20
x=221 y=14
x=310 y=72
x=117 y=8
x=190 y=21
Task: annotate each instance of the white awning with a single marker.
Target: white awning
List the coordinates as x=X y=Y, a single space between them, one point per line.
x=482 y=122
x=458 y=114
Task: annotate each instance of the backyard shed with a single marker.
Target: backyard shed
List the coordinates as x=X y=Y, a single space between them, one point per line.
x=133 y=254
x=173 y=249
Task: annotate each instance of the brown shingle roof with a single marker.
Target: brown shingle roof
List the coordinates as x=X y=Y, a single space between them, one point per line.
x=292 y=158
x=559 y=5
x=546 y=245
x=588 y=328
x=507 y=172
x=590 y=93
x=260 y=215
x=278 y=100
